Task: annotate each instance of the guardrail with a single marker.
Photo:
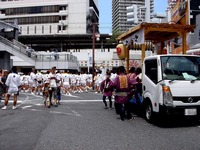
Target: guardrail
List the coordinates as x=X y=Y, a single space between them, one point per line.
x=56 y=57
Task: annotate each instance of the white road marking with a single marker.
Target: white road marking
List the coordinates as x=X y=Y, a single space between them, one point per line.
x=26 y=107
x=35 y=95
x=39 y=104
x=77 y=101
x=76 y=113
x=23 y=101
x=71 y=96
x=35 y=110
x=63 y=113
x=13 y=101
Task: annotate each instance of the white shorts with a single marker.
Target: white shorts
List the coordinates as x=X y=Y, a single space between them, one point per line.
x=22 y=82
x=32 y=84
x=83 y=83
x=25 y=82
x=66 y=84
x=12 y=90
x=74 y=84
x=39 y=83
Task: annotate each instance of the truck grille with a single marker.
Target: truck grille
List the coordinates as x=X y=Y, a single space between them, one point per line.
x=188 y=99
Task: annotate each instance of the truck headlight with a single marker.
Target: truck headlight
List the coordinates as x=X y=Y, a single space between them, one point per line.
x=167 y=96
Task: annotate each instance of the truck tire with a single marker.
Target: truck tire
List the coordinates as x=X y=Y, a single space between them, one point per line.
x=149 y=115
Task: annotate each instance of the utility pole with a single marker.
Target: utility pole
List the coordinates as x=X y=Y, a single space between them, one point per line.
x=93 y=52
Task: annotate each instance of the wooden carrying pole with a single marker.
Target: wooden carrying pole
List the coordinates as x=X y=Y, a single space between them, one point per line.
x=143 y=51
x=127 y=59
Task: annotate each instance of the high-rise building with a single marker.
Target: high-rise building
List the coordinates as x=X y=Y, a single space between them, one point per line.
x=119 y=13
x=50 y=17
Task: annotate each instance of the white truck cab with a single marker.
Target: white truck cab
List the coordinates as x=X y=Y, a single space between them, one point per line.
x=171 y=85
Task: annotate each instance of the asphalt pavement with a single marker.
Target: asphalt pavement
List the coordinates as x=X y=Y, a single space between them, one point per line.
x=82 y=123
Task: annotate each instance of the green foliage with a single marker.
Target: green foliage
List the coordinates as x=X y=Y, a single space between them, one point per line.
x=115 y=34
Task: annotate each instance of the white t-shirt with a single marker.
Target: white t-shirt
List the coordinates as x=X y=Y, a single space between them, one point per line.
x=39 y=76
x=66 y=77
x=32 y=77
x=59 y=78
x=45 y=77
x=13 y=80
x=52 y=80
x=73 y=78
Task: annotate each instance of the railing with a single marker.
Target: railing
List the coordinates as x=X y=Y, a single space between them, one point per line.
x=56 y=57
x=16 y=46
x=48 y=57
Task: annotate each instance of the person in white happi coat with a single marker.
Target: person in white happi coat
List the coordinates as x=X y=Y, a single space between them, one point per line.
x=53 y=86
x=39 y=78
x=66 y=84
x=99 y=79
x=13 y=82
x=73 y=83
x=32 y=81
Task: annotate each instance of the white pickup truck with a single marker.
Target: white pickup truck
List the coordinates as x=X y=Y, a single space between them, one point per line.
x=171 y=85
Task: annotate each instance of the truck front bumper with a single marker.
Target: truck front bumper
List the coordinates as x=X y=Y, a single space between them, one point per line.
x=178 y=110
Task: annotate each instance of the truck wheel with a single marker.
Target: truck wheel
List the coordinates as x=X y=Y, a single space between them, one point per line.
x=148 y=112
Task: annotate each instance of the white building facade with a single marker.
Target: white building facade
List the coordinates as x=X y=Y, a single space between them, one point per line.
x=50 y=17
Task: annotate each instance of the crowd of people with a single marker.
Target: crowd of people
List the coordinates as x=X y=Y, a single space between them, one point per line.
x=52 y=84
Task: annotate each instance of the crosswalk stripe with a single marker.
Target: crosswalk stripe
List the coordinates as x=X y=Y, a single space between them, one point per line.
x=13 y=101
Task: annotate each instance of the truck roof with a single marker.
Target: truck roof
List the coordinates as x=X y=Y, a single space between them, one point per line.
x=158 y=56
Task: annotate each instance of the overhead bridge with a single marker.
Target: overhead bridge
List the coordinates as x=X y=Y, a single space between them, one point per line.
x=38 y=60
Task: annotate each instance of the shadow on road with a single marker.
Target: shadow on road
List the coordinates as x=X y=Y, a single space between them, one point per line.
x=176 y=122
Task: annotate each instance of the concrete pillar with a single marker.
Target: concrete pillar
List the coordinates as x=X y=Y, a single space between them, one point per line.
x=5 y=61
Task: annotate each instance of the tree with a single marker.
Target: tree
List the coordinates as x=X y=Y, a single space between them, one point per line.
x=113 y=39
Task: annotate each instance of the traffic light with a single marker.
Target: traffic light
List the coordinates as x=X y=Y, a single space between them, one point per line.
x=132 y=14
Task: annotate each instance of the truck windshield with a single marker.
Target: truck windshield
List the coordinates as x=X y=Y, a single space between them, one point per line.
x=180 y=67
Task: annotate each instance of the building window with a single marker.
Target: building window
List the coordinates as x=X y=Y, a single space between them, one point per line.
x=62 y=28
x=49 y=29
x=63 y=8
x=102 y=50
x=32 y=10
x=36 y=20
x=42 y=29
x=35 y=29
x=27 y=29
x=62 y=17
x=20 y=29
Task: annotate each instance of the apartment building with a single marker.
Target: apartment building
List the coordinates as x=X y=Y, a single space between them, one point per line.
x=119 y=13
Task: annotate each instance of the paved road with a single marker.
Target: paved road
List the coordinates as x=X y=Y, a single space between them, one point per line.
x=81 y=123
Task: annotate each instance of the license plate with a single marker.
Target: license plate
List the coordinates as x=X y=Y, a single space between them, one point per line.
x=190 y=112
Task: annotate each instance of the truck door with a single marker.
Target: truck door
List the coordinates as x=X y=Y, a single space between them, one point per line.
x=150 y=79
